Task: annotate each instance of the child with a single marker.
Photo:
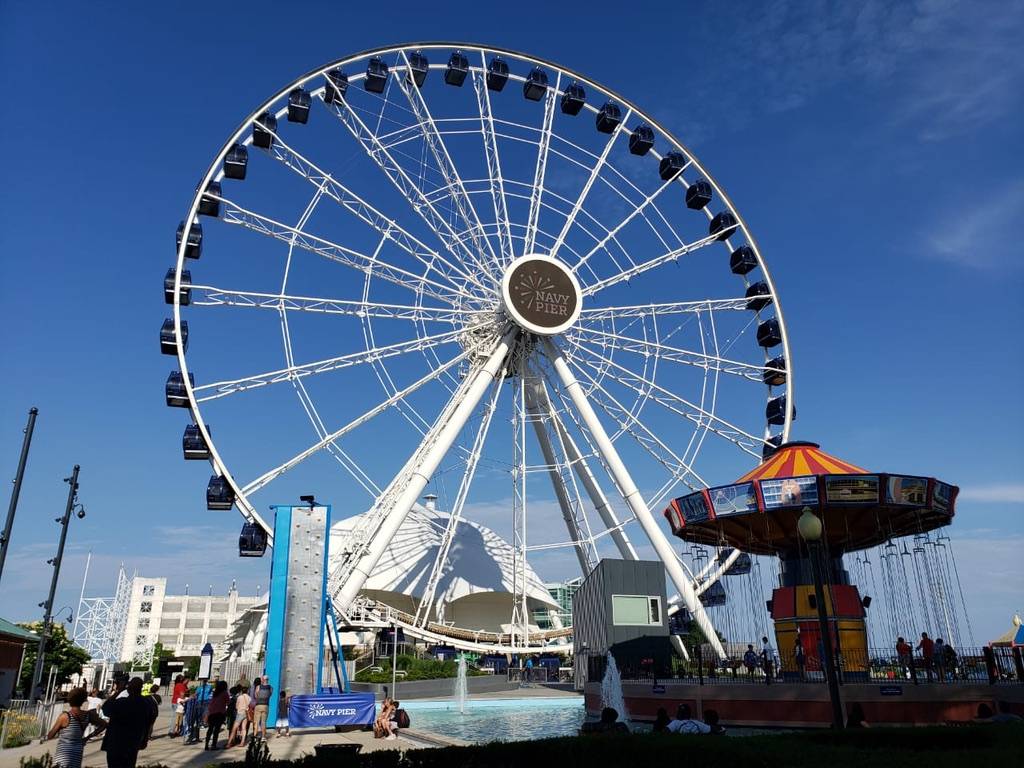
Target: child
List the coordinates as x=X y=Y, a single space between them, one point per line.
x=179 y=713
x=282 y=714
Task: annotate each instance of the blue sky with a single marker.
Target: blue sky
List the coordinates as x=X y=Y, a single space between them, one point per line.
x=873 y=148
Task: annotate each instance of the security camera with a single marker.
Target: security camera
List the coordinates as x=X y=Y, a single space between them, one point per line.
x=81 y=513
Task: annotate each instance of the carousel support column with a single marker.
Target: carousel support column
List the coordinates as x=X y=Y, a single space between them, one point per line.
x=810 y=529
x=631 y=495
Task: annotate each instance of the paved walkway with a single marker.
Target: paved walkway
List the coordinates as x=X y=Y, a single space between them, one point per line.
x=175 y=754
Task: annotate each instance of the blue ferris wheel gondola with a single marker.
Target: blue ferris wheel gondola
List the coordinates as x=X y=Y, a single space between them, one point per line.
x=713 y=596
x=252 y=541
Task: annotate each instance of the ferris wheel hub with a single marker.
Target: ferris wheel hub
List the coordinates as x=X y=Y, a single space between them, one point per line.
x=541 y=294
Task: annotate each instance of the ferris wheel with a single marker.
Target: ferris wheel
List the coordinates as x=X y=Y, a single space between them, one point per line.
x=467 y=268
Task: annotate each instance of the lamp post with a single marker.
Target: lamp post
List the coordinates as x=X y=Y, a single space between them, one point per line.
x=810 y=528
x=5 y=537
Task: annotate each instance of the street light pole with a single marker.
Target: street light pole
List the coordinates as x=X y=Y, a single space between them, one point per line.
x=810 y=529
x=5 y=538
x=72 y=481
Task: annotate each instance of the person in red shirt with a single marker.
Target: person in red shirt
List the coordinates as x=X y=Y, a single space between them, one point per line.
x=927 y=649
x=178 y=692
x=904 y=653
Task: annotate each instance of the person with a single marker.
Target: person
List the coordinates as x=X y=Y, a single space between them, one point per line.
x=661 y=721
x=608 y=724
x=684 y=722
x=750 y=660
x=153 y=700
x=129 y=720
x=987 y=715
x=240 y=730
x=711 y=719
x=179 y=714
x=949 y=660
x=216 y=713
x=927 y=649
x=194 y=709
x=904 y=654
x=282 y=714
x=383 y=726
x=855 y=717
x=70 y=730
x=261 y=696
x=767 y=660
x=800 y=659
x=940 y=659
x=528 y=674
x=180 y=689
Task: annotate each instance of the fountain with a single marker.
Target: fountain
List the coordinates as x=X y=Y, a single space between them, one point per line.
x=461 y=685
x=611 y=689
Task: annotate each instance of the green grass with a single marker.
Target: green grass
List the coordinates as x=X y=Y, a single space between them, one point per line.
x=415 y=669
x=999 y=746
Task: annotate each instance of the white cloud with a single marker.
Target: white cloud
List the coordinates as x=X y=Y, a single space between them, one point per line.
x=980 y=236
x=1009 y=493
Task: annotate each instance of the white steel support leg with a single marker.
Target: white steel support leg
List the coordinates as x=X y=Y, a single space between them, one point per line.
x=538 y=414
x=631 y=495
x=586 y=476
x=420 y=473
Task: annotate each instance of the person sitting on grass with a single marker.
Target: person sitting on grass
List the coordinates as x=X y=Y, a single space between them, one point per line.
x=711 y=720
x=987 y=715
x=684 y=722
x=855 y=718
x=661 y=721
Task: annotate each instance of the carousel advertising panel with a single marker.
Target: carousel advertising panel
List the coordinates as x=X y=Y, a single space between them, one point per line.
x=693 y=508
x=942 y=493
x=733 y=499
x=906 y=491
x=790 y=492
x=851 y=489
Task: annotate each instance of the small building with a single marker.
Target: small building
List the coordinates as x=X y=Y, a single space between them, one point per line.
x=13 y=640
x=621 y=607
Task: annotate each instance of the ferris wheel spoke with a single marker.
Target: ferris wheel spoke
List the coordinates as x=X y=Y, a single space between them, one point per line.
x=213 y=296
x=543 y=150
x=363 y=210
x=693 y=358
x=645 y=266
x=594 y=173
x=631 y=494
x=629 y=423
x=590 y=482
x=222 y=388
x=594 y=314
x=570 y=504
x=407 y=186
x=638 y=210
x=455 y=514
x=264 y=225
x=393 y=506
x=432 y=136
x=329 y=439
x=679 y=405
x=497 y=181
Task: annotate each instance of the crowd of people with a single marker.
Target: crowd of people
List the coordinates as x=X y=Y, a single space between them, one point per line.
x=125 y=715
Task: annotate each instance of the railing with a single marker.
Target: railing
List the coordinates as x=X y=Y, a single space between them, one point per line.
x=876 y=666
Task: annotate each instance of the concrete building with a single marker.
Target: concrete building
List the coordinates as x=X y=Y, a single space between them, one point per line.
x=562 y=593
x=182 y=624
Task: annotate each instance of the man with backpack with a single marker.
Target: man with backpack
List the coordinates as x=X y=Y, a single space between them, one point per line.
x=261 y=699
x=750 y=661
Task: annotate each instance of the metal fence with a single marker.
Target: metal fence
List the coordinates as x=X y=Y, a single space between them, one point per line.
x=989 y=666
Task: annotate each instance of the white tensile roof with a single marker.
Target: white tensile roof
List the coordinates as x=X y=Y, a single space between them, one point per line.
x=479 y=561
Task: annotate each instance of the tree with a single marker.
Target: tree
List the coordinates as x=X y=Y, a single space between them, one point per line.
x=159 y=654
x=67 y=657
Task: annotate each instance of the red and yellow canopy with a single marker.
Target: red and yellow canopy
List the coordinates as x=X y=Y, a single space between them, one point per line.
x=800 y=458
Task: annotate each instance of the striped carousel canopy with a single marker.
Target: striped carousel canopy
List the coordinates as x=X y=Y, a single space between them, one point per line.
x=800 y=458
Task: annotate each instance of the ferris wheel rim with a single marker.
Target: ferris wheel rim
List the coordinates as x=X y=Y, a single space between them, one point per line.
x=215 y=172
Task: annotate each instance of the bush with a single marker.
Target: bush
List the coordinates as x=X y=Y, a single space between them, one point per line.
x=21 y=729
x=415 y=669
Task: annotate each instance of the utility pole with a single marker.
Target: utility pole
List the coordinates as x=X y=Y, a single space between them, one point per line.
x=37 y=677
x=6 y=537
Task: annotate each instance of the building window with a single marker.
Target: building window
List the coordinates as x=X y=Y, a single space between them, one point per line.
x=148 y=590
x=144 y=622
x=636 y=610
x=146 y=607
